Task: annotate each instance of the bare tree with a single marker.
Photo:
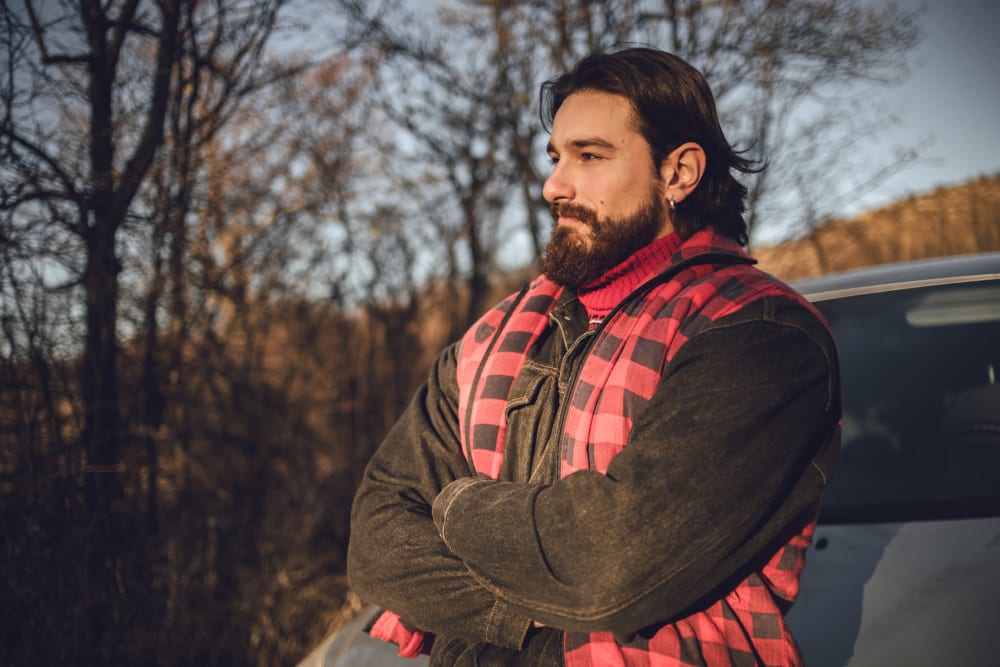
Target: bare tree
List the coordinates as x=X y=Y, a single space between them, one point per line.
x=461 y=84
x=70 y=176
x=439 y=133
x=98 y=98
x=78 y=60
x=280 y=386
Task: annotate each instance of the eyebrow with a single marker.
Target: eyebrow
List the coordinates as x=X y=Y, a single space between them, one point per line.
x=580 y=144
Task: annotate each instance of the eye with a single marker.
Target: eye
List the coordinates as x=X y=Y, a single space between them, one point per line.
x=553 y=159
x=589 y=157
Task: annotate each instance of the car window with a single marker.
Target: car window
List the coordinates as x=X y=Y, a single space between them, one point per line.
x=921 y=387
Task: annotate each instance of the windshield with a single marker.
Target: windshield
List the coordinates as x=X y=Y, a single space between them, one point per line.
x=921 y=387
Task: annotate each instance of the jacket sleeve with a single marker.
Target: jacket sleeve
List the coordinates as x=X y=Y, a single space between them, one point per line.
x=396 y=558
x=733 y=446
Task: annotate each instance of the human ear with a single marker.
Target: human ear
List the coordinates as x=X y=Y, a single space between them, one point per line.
x=682 y=170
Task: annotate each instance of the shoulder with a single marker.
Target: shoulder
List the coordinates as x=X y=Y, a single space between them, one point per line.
x=771 y=312
x=774 y=335
x=749 y=306
x=744 y=287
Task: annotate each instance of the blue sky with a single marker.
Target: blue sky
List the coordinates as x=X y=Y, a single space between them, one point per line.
x=952 y=96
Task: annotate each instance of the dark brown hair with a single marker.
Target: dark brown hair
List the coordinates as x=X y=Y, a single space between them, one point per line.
x=673 y=104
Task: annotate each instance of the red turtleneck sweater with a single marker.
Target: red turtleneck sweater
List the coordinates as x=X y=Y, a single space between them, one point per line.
x=601 y=295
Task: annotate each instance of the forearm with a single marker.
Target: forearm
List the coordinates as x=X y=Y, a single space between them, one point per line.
x=396 y=558
x=687 y=503
x=400 y=563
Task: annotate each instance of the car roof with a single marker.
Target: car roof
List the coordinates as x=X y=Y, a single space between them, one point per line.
x=902 y=275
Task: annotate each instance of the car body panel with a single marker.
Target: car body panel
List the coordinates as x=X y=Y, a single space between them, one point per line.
x=351 y=646
x=886 y=277
x=869 y=590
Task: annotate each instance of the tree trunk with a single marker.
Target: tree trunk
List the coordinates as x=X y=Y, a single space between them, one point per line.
x=100 y=276
x=100 y=377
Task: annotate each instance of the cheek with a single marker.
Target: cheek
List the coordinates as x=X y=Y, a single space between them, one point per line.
x=613 y=194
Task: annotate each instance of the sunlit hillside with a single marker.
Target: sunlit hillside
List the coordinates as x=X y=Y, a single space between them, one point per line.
x=949 y=221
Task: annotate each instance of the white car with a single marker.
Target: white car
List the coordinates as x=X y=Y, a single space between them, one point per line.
x=905 y=565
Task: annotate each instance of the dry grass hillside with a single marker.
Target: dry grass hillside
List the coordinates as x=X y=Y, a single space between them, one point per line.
x=952 y=220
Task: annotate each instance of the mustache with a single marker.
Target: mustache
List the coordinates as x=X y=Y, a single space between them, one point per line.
x=570 y=210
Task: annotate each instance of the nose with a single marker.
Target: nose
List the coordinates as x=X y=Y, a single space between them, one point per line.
x=558 y=185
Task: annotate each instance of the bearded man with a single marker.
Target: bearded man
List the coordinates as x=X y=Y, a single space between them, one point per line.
x=621 y=464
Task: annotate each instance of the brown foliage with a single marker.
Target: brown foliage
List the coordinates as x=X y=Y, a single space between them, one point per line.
x=949 y=221
x=259 y=454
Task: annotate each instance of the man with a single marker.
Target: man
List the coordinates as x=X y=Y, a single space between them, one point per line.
x=622 y=464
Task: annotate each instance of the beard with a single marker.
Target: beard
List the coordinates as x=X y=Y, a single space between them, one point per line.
x=573 y=258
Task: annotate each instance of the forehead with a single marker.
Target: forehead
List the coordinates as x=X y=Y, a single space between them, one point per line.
x=590 y=113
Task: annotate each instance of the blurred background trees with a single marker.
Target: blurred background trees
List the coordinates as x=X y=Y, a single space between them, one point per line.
x=234 y=233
